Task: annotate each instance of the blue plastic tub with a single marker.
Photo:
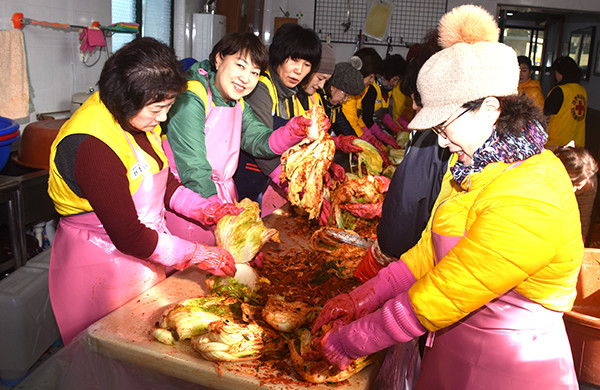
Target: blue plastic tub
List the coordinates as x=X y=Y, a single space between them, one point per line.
x=5 y=150
x=7 y=125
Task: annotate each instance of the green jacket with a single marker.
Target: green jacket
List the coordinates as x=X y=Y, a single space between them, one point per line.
x=185 y=132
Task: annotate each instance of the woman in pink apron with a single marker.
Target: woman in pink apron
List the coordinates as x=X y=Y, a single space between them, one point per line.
x=497 y=267
x=110 y=182
x=210 y=123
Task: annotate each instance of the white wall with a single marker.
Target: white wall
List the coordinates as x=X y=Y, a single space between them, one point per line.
x=55 y=69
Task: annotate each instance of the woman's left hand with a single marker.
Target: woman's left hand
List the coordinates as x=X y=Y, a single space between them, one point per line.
x=298 y=126
x=335 y=358
x=213 y=212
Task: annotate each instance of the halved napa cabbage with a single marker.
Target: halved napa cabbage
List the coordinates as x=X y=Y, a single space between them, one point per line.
x=243 y=235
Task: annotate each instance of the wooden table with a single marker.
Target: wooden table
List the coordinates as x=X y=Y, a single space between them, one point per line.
x=126 y=334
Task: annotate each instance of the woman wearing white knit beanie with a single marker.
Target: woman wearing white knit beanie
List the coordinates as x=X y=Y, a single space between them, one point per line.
x=498 y=263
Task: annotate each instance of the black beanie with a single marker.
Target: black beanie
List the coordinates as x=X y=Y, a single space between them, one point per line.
x=347 y=78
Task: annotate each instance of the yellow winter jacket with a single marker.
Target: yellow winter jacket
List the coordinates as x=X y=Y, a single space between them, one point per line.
x=521 y=230
x=532 y=89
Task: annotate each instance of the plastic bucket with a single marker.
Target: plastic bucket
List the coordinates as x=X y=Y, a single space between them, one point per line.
x=7 y=125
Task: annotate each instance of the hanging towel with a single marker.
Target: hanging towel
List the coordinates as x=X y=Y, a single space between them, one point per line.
x=90 y=38
x=14 y=83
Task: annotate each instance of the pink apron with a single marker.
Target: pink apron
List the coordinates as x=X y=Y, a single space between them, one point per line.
x=88 y=276
x=509 y=343
x=223 y=130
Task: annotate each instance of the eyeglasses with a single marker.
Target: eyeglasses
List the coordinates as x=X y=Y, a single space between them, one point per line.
x=344 y=95
x=441 y=129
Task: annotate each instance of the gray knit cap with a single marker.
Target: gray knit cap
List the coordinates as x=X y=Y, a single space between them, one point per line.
x=347 y=78
x=472 y=65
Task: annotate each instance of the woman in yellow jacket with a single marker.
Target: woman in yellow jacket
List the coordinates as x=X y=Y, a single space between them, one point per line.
x=492 y=277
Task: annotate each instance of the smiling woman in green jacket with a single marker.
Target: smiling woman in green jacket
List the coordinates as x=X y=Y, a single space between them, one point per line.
x=210 y=123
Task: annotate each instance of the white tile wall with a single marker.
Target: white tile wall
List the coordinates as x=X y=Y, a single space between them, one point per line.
x=55 y=68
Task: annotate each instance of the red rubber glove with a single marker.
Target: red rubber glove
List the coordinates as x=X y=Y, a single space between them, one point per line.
x=298 y=125
x=344 y=143
x=340 y=309
x=218 y=261
x=368 y=266
x=325 y=213
x=338 y=173
x=364 y=210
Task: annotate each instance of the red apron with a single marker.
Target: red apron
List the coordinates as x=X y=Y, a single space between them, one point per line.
x=88 y=276
x=223 y=130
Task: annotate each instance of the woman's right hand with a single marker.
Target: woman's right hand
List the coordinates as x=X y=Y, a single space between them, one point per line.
x=340 y=310
x=213 y=259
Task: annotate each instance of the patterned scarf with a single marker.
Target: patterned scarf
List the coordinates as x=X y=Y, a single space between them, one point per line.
x=507 y=148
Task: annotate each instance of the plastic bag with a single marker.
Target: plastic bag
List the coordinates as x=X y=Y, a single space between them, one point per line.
x=400 y=368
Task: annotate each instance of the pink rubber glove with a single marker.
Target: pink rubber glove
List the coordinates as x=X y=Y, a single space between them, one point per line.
x=396 y=322
x=276 y=176
x=370 y=138
x=289 y=134
x=391 y=124
x=373 y=261
x=178 y=253
x=389 y=282
x=403 y=121
x=206 y=211
x=383 y=136
x=344 y=143
x=258 y=260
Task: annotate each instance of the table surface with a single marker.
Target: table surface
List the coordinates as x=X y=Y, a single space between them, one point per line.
x=126 y=335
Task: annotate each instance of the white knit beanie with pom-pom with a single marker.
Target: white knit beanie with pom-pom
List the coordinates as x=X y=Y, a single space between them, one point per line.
x=471 y=66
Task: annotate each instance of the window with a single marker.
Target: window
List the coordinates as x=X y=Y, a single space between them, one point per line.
x=527 y=42
x=153 y=16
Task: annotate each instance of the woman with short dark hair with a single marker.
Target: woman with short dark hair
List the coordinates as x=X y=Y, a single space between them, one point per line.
x=294 y=55
x=210 y=124
x=110 y=182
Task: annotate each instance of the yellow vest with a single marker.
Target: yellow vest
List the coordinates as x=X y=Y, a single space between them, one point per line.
x=199 y=89
x=569 y=123
x=352 y=109
x=380 y=101
x=293 y=106
x=401 y=104
x=93 y=118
